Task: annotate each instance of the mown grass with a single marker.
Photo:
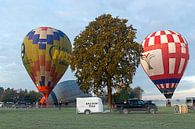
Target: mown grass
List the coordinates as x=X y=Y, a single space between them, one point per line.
x=68 y=119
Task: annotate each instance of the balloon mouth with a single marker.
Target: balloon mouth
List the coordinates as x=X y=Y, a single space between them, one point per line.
x=168 y=96
x=168 y=92
x=45 y=90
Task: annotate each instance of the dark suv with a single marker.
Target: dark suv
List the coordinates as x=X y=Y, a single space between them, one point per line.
x=136 y=105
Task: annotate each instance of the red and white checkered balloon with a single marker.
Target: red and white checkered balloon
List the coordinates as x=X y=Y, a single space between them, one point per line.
x=164 y=59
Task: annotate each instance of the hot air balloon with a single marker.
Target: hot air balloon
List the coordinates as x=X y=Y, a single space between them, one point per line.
x=45 y=55
x=164 y=59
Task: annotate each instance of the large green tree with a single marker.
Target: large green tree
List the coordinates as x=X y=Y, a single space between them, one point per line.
x=105 y=54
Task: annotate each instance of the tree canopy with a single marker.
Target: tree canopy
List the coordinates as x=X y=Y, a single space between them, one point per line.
x=105 y=54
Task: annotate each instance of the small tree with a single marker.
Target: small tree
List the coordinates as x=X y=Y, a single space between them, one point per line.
x=105 y=55
x=136 y=93
x=8 y=95
x=1 y=92
x=125 y=92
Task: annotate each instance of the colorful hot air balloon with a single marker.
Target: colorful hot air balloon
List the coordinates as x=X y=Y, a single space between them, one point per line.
x=164 y=59
x=45 y=55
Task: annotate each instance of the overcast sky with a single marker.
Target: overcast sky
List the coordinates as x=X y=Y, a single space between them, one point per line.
x=71 y=16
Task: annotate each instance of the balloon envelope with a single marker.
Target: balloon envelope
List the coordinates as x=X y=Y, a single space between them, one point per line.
x=45 y=55
x=164 y=59
x=66 y=91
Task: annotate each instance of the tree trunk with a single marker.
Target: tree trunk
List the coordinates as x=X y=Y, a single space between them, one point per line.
x=96 y=92
x=109 y=88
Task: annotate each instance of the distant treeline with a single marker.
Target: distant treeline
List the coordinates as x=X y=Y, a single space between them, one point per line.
x=12 y=95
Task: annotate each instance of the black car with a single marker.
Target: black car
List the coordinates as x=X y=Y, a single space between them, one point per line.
x=136 y=105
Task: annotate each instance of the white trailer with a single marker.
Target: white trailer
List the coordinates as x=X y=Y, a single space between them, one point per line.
x=89 y=105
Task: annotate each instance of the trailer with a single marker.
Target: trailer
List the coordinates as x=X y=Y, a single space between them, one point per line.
x=89 y=105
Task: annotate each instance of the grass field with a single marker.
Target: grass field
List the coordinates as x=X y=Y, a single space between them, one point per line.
x=68 y=119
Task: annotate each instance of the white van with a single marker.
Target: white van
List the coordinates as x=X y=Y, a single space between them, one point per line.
x=89 y=105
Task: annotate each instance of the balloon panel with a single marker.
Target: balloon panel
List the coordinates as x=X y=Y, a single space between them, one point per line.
x=45 y=53
x=164 y=59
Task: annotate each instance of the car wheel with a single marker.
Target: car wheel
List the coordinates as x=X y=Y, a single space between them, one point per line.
x=152 y=111
x=125 y=111
x=87 y=112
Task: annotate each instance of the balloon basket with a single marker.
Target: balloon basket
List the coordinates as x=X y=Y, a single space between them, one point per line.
x=168 y=103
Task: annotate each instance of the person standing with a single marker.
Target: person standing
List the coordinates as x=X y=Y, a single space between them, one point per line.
x=60 y=104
